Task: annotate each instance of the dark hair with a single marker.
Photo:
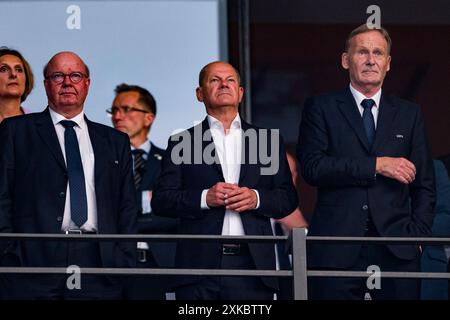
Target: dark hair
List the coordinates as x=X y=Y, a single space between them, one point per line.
x=202 y=74
x=145 y=97
x=363 y=29
x=29 y=78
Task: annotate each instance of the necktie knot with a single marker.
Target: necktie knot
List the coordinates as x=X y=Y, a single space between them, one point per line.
x=138 y=152
x=367 y=103
x=68 y=123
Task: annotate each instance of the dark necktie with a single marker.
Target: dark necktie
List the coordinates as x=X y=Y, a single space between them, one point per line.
x=78 y=202
x=139 y=163
x=283 y=258
x=368 y=121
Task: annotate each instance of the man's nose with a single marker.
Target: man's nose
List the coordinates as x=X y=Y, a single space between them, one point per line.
x=117 y=116
x=67 y=80
x=371 y=59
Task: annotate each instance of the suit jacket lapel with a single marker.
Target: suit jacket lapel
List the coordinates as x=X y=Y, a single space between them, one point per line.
x=100 y=146
x=386 y=116
x=46 y=130
x=205 y=142
x=151 y=166
x=349 y=109
x=244 y=154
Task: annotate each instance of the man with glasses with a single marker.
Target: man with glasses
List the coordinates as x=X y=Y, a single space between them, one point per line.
x=61 y=173
x=133 y=112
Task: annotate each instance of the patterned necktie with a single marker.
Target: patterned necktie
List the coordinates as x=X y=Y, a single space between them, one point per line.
x=78 y=202
x=368 y=121
x=139 y=163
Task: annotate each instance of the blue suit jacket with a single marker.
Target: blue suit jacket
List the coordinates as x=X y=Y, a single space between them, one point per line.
x=178 y=194
x=434 y=258
x=334 y=155
x=33 y=181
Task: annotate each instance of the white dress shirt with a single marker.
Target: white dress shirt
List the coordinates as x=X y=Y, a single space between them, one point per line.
x=88 y=161
x=229 y=150
x=359 y=97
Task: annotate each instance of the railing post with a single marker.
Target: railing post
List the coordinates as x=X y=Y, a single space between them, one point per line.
x=244 y=57
x=299 y=264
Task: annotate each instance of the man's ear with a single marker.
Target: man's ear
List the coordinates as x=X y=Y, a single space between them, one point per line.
x=88 y=84
x=149 y=118
x=199 y=94
x=46 y=84
x=241 y=93
x=344 y=60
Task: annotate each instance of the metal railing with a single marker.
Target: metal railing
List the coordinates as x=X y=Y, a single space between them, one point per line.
x=297 y=241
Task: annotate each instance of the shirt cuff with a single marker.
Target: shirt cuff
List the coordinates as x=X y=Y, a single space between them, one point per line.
x=203 y=204
x=257 y=198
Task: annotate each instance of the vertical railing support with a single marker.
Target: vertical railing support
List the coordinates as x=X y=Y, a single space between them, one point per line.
x=299 y=267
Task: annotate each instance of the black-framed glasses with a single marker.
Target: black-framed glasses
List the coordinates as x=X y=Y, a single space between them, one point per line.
x=125 y=110
x=75 y=77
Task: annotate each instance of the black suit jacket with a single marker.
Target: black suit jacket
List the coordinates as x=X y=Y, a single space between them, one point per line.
x=149 y=223
x=33 y=181
x=334 y=156
x=178 y=194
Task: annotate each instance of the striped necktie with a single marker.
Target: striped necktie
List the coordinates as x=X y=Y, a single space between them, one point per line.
x=139 y=165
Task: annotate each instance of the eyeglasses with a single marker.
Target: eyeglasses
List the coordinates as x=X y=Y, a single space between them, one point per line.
x=124 y=110
x=59 y=77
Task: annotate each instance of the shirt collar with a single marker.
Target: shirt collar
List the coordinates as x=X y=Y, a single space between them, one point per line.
x=146 y=146
x=57 y=118
x=216 y=124
x=359 y=97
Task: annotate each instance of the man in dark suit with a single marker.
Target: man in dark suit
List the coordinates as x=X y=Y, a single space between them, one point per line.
x=368 y=155
x=215 y=177
x=436 y=258
x=133 y=112
x=61 y=173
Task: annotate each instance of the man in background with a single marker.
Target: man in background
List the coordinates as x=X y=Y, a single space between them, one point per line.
x=133 y=112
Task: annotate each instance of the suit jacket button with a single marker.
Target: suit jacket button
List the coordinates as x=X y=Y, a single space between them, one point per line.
x=365 y=207
x=62 y=194
x=59 y=218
